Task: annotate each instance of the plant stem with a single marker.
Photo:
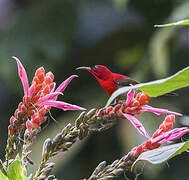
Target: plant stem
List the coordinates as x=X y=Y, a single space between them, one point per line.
x=85 y=123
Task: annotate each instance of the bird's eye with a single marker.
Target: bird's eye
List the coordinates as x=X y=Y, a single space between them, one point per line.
x=94 y=68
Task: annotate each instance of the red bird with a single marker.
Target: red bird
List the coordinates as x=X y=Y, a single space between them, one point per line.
x=108 y=80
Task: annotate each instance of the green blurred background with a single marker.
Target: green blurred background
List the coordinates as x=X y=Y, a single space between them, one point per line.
x=64 y=34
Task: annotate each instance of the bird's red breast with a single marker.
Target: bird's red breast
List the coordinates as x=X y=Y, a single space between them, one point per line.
x=108 y=85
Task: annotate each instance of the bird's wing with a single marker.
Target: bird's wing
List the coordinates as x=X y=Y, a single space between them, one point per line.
x=128 y=81
x=125 y=82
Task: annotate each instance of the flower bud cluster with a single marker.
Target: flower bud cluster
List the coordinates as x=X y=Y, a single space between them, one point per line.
x=28 y=110
x=133 y=107
x=165 y=126
x=149 y=145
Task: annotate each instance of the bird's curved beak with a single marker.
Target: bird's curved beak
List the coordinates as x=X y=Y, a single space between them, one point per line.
x=84 y=68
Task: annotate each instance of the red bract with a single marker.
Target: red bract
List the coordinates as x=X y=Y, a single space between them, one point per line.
x=163 y=134
x=38 y=99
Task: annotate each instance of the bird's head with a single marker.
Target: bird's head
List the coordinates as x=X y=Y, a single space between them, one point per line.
x=99 y=71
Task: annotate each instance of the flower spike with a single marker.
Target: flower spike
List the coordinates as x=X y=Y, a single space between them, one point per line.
x=39 y=98
x=162 y=135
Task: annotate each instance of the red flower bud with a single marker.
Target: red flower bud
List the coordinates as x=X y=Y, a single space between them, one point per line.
x=36 y=119
x=46 y=90
x=20 y=106
x=108 y=109
x=48 y=80
x=39 y=71
x=135 y=103
x=12 y=120
x=42 y=111
x=41 y=77
x=35 y=125
x=11 y=130
x=16 y=113
x=38 y=88
x=24 y=109
x=35 y=98
x=30 y=113
x=36 y=80
x=51 y=75
x=29 y=125
x=51 y=85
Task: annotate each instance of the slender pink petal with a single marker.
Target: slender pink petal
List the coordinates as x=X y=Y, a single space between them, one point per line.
x=53 y=87
x=130 y=96
x=31 y=90
x=170 y=135
x=158 y=111
x=62 y=105
x=64 y=84
x=137 y=124
x=23 y=76
x=48 y=97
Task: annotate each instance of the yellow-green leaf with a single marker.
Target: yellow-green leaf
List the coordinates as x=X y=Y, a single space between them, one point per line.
x=178 y=23
x=15 y=171
x=158 y=87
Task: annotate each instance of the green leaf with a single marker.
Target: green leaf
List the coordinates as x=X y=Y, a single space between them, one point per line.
x=15 y=170
x=164 y=153
x=181 y=150
x=158 y=87
x=3 y=177
x=179 y=23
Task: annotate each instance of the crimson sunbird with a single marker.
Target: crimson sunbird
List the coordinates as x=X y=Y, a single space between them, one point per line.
x=108 y=80
x=112 y=81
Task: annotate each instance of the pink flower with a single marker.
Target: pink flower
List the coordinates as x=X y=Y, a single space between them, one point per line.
x=49 y=99
x=163 y=134
x=173 y=134
x=134 y=106
x=38 y=99
x=138 y=105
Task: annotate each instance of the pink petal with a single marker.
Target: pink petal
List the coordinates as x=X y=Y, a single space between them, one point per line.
x=65 y=83
x=31 y=90
x=137 y=124
x=130 y=97
x=62 y=105
x=170 y=135
x=48 y=97
x=158 y=111
x=53 y=87
x=23 y=76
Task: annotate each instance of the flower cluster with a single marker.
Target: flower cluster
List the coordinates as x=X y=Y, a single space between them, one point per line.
x=38 y=99
x=134 y=106
x=163 y=134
